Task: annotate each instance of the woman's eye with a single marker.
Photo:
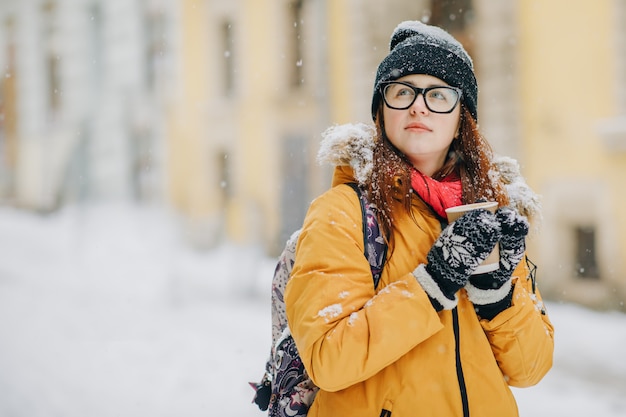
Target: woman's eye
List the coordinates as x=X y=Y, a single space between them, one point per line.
x=439 y=94
x=404 y=92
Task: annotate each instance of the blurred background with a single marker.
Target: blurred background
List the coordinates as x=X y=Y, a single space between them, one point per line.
x=156 y=154
x=214 y=109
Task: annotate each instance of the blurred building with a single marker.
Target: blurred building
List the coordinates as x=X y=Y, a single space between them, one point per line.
x=252 y=99
x=260 y=81
x=572 y=60
x=216 y=108
x=82 y=97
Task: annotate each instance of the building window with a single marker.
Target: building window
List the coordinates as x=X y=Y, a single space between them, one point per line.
x=8 y=113
x=586 y=262
x=143 y=178
x=620 y=14
x=296 y=43
x=294 y=187
x=453 y=15
x=96 y=49
x=456 y=17
x=52 y=59
x=228 y=68
x=154 y=26
x=223 y=167
x=8 y=100
x=54 y=102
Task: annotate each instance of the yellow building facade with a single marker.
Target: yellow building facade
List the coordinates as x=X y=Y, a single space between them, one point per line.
x=571 y=61
x=259 y=81
x=242 y=131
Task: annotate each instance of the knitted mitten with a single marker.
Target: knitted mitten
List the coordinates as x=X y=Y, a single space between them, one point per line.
x=491 y=292
x=460 y=248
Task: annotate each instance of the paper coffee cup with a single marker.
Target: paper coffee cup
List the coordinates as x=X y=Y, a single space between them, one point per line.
x=493 y=260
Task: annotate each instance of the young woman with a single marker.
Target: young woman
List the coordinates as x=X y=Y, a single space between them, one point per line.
x=433 y=339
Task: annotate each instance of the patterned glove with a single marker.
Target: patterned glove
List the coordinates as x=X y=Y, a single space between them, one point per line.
x=460 y=248
x=491 y=292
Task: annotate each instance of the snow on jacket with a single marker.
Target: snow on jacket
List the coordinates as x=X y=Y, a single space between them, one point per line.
x=390 y=350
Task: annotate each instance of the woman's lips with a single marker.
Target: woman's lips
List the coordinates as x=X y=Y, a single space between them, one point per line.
x=417 y=126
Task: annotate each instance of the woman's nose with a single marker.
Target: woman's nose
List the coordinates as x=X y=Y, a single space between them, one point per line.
x=419 y=105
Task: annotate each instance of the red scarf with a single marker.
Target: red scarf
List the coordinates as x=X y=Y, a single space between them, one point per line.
x=439 y=195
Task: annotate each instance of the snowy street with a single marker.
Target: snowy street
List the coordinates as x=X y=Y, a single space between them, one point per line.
x=104 y=312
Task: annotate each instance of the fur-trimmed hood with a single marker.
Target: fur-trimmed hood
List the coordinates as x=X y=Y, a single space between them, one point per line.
x=352 y=145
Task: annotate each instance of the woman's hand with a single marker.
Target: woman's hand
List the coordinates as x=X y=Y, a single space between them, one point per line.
x=461 y=247
x=493 y=289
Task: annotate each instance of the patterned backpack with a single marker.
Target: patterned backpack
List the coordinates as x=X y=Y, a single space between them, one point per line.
x=286 y=388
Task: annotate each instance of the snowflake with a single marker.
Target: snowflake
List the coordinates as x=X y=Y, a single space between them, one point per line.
x=457 y=250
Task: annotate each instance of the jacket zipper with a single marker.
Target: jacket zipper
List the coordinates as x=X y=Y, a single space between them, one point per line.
x=385 y=413
x=459 y=368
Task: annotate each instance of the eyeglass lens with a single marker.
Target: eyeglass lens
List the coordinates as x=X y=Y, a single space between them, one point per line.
x=438 y=99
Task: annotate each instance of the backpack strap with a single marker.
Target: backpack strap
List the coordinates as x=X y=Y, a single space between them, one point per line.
x=373 y=241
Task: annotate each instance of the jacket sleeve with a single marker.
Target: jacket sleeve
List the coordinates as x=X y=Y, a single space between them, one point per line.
x=344 y=331
x=522 y=337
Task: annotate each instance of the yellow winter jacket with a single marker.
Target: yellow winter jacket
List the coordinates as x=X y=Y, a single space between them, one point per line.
x=388 y=352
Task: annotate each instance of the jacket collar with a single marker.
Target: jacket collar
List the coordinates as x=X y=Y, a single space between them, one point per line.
x=350 y=149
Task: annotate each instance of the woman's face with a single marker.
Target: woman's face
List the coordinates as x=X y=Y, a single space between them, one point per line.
x=423 y=136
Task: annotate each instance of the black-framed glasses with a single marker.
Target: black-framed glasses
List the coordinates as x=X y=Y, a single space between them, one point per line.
x=399 y=95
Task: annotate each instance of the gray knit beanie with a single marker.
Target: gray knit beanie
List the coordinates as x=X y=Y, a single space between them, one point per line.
x=417 y=48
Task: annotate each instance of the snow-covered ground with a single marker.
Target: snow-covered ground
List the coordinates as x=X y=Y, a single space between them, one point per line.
x=104 y=312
